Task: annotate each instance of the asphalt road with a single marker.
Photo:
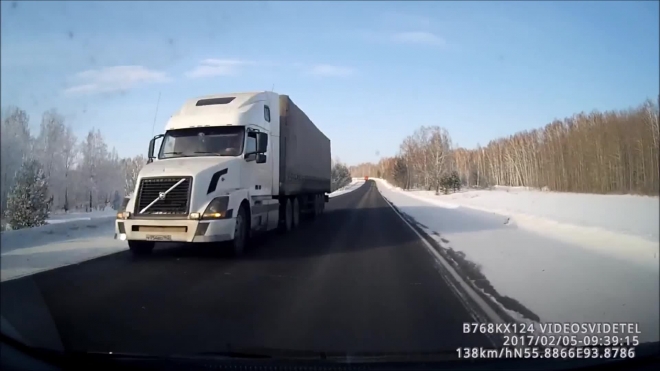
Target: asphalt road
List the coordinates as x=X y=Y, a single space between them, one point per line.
x=358 y=280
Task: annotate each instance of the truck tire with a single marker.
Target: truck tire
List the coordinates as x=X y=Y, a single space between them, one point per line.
x=240 y=233
x=296 y=213
x=288 y=216
x=141 y=248
x=318 y=205
x=315 y=207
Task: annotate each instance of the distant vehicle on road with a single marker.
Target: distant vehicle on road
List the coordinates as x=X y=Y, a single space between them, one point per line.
x=229 y=166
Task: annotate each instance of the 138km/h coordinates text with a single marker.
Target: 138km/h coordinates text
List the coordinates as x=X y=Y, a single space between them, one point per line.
x=546 y=353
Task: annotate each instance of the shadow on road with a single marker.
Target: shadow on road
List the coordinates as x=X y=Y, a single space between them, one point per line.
x=318 y=237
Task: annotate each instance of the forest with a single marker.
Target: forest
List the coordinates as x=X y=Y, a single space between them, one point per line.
x=80 y=174
x=612 y=152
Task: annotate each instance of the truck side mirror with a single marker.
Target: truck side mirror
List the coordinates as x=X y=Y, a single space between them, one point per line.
x=152 y=144
x=262 y=142
x=261 y=158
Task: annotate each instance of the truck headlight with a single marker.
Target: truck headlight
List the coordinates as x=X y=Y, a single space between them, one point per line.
x=124 y=203
x=124 y=215
x=217 y=209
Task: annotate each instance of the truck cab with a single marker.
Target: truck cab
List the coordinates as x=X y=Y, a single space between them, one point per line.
x=216 y=176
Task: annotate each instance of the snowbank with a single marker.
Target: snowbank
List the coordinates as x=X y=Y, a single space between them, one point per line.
x=29 y=251
x=624 y=214
x=355 y=184
x=543 y=269
x=62 y=217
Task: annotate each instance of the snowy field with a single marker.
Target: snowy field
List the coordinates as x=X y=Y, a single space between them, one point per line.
x=69 y=239
x=30 y=251
x=560 y=257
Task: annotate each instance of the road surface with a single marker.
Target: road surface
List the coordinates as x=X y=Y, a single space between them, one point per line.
x=356 y=280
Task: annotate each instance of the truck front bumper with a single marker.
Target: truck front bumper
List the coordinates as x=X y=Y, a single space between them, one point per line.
x=184 y=230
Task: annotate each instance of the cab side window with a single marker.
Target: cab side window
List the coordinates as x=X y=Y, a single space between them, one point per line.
x=251 y=142
x=267 y=113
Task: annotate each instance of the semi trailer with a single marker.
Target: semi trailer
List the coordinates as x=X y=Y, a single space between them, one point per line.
x=229 y=166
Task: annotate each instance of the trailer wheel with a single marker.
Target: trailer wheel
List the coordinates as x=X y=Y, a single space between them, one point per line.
x=240 y=232
x=318 y=204
x=315 y=207
x=296 y=212
x=140 y=248
x=288 y=216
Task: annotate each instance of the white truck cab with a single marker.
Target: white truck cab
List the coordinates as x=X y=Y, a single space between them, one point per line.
x=216 y=176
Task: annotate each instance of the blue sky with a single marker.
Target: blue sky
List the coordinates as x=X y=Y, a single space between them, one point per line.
x=367 y=73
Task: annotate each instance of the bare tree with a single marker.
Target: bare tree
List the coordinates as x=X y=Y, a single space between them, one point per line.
x=69 y=156
x=49 y=150
x=438 y=152
x=131 y=166
x=93 y=152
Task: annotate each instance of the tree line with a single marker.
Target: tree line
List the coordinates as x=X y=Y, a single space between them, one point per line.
x=599 y=152
x=80 y=175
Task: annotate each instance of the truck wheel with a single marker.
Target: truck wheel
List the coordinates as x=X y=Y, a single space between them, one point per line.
x=141 y=247
x=296 y=212
x=240 y=232
x=288 y=216
x=315 y=207
x=321 y=203
x=318 y=204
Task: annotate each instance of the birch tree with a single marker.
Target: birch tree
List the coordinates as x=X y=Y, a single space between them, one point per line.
x=131 y=166
x=93 y=152
x=49 y=150
x=69 y=157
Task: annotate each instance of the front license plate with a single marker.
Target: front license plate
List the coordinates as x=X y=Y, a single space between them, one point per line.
x=159 y=237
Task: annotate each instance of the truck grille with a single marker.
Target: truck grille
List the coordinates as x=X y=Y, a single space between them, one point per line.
x=176 y=201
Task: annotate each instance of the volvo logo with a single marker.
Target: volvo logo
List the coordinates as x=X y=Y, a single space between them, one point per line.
x=161 y=195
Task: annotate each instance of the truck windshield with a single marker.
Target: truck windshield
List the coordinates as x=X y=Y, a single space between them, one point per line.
x=203 y=141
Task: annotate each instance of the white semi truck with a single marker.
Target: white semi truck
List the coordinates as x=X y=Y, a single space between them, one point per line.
x=229 y=166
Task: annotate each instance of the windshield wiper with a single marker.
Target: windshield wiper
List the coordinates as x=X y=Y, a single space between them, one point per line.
x=207 y=152
x=179 y=154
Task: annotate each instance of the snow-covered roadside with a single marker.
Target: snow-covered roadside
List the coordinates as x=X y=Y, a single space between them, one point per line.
x=355 y=184
x=69 y=239
x=55 y=218
x=556 y=278
x=621 y=226
x=29 y=251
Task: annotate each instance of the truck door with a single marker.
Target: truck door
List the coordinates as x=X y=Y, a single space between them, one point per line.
x=257 y=176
